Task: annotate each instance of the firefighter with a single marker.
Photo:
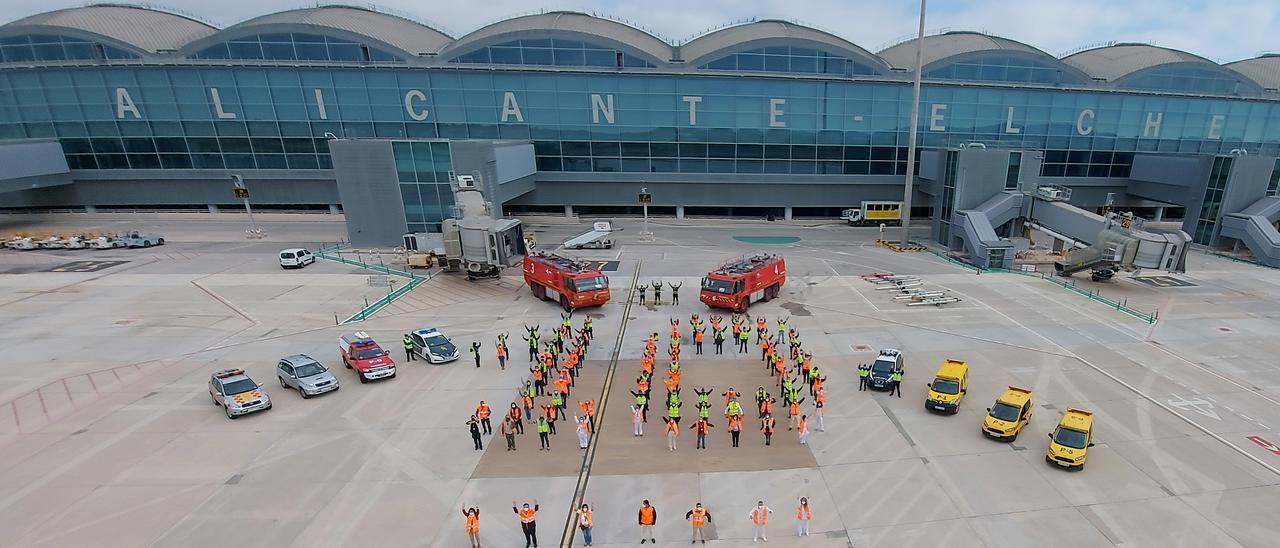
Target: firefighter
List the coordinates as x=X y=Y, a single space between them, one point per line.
x=642 y=288
x=718 y=339
x=657 y=292
x=408 y=347
x=675 y=293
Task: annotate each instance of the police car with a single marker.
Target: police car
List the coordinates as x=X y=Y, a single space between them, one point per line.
x=236 y=393
x=887 y=363
x=433 y=346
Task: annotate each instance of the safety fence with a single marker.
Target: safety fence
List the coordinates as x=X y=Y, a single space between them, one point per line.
x=1121 y=305
x=334 y=252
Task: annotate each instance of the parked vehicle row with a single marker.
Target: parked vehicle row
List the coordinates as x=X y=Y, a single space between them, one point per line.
x=106 y=241
x=238 y=394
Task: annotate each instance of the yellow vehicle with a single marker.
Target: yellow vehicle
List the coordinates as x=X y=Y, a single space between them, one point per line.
x=1011 y=412
x=874 y=213
x=948 y=387
x=1069 y=443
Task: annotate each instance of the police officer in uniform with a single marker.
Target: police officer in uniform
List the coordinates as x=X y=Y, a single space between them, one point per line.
x=408 y=347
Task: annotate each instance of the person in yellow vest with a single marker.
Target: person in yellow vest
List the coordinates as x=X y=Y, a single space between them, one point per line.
x=698 y=516
x=472 y=517
x=760 y=518
x=528 y=524
x=803 y=515
x=584 y=523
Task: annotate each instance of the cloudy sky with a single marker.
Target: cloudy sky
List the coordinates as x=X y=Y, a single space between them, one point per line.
x=1223 y=30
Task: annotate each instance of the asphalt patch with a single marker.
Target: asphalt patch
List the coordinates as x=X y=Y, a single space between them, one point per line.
x=84 y=266
x=796 y=309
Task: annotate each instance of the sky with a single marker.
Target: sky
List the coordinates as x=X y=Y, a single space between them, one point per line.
x=1222 y=30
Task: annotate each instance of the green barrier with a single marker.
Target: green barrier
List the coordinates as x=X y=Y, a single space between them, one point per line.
x=333 y=252
x=1096 y=296
x=377 y=305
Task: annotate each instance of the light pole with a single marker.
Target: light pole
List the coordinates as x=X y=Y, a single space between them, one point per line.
x=911 y=140
x=242 y=192
x=645 y=199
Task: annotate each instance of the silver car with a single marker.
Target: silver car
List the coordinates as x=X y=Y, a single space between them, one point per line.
x=305 y=375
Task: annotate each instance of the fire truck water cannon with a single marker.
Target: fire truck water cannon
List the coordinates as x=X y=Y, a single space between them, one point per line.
x=743 y=280
x=572 y=283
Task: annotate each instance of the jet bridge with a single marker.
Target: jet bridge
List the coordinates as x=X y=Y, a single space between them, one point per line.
x=1255 y=226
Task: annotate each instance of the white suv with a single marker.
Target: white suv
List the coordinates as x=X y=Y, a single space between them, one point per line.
x=296 y=258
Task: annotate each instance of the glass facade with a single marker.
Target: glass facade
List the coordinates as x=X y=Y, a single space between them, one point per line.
x=151 y=117
x=1001 y=68
x=423 y=170
x=296 y=47
x=552 y=52
x=1273 y=184
x=49 y=47
x=1213 y=191
x=1188 y=79
x=789 y=59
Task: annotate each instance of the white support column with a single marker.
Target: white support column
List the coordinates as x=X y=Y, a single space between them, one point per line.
x=1159 y=214
x=679 y=212
x=334 y=210
x=568 y=211
x=786 y=213
x=213 y=208
x=90 y=209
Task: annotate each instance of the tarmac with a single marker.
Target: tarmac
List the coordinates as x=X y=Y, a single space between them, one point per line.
x=107 y=436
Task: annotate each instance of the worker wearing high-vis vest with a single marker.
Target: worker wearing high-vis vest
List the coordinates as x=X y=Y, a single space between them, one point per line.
x=648 y=517
x=744 y=338
x=472 y=524
x=766 y=428
x=584 y=524
x=759 y=519
x=803 y=515
x=527 y=522
x=673 y=432
x=804 y=430
x=482 y=412
x=408 y=347
x=698 y=516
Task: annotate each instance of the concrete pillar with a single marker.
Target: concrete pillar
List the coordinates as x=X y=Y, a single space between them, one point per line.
x=1057 y=244
x=568 y=210
x=213 y=208
x=334 y=210
x=1159 y=214
x=786 y=213
x=90 y=209
x=679 y=212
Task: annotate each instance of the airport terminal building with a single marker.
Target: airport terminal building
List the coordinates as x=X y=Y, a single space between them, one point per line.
x=114 y=106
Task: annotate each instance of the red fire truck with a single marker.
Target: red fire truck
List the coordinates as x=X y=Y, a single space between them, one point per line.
x=743 y=280
x=574 y=284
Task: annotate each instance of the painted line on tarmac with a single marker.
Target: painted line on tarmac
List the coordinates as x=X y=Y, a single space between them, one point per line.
x=580 y=491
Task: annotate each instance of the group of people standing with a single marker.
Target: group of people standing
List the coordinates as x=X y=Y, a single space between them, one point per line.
x=657 y=292
x=790 y=380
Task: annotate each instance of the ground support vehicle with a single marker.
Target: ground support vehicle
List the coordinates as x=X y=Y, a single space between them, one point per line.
x=361 y=353
x=572 y=283
x=1069 y=443
x=874 y=213
x=738 y=282
x=1010 y=414
x=949 y=386
x=236 y=393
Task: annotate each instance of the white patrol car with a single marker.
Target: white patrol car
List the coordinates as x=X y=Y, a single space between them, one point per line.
x=236 y=393
x=296 y=258
x=432 y=345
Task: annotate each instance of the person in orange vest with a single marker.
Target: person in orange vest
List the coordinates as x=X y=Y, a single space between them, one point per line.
x=526 y=400
x=527 y=522
x=482 y=413
x=804 y=430
x=803 y=515
x=700 y=427
x=584 y=523
x=761 y=329
x=766 y=428
x=760 y=518
x=562 y=383
x=501 y=351
x=549 y=413
x=589 y=412
x=648 y=518
x=730 y=395
x=697 y=340
x=539 y=382
x=472 y=517
x=672 y=383
x=793 y=412
x=735 y=428
x=766 y=348
x=673 y=432
x=646 y=364
x=698 y=516
x=766 y=406
x=513 y=415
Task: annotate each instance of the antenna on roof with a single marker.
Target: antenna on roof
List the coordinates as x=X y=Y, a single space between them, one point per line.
x=1094 y=45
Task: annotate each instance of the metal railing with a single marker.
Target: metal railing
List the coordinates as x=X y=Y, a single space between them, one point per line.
x=1121 y=305
x=332 y=251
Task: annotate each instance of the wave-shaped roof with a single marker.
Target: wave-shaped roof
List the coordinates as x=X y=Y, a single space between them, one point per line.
x=145 y=29
x=1111 y=63
x=602 y=30
x=746 y=36
x=154 y=33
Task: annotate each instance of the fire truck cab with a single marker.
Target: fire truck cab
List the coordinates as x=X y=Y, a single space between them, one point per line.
x=741 y=281
x=574 y=284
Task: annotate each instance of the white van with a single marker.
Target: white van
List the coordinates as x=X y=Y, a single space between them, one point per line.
x=296 y=258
